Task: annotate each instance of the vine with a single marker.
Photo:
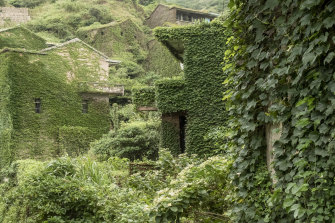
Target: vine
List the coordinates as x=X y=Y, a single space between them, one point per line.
x=279 y=67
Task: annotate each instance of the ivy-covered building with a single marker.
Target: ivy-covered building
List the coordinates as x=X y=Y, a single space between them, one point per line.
x=51 y=99
x=191 y=106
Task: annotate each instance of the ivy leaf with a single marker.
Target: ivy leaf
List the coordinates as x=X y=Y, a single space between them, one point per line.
x=328 y=22
x=308 y=4
x=303 y=122
x=331 y=86
x=321 y=152
x=329 y=58
x=271 y=4
x=308 y=58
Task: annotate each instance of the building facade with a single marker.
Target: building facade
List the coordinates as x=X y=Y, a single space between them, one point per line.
x=164 y=14
x=53 y=100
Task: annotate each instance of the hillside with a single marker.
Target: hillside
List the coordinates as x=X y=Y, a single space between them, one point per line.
x=111 y=26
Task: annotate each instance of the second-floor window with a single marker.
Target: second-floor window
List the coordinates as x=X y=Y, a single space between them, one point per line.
x=38 y=105
x=84 y=106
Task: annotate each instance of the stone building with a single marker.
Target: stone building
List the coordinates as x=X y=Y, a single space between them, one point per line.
x=52 y=100
x=192 y=105
x=164 y=14
x=13 y=15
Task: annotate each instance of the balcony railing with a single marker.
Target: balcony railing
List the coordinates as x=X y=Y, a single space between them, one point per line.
x=100 y=87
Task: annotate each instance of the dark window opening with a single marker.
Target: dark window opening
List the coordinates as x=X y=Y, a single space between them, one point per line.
x=85 y=106
x=37 y=105
x=121 y=33
x=182 y=133
x=102 y=33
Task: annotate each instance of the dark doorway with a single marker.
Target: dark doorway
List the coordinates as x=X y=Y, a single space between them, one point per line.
x=182 y=133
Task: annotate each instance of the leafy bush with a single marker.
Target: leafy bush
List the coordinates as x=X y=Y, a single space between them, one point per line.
x=134 y=140
x=201 y=190
x=26 y=3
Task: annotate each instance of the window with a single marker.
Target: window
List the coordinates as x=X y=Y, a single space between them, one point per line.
x=37 y=105
x=84 y=106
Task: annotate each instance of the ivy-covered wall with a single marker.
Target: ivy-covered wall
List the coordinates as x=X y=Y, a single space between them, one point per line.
x=118 y=40
x=281 y=73
x=55 y=78
x=6 y=125
x=144 y=96
x=200 y=94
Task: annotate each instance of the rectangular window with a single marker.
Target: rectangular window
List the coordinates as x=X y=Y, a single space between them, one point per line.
x=37 y=105
x=85 y=106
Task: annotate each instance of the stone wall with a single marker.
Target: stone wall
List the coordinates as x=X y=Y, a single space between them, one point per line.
x=162 y=14
x=15 y=15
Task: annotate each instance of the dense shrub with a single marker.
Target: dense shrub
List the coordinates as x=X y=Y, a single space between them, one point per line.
x=134 y=140
x=26 y=3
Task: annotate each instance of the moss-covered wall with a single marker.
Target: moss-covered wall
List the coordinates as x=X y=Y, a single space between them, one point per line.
x=19 y=37
x=6 y=125
x=204 y=49
x=54 y=79
x=160 y=60
x=118 y=40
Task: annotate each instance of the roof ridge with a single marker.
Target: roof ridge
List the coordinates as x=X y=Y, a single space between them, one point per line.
x=20 y=50
x=82 y=42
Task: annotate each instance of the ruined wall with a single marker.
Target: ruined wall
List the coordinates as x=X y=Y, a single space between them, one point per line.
x=46 y=77
x=162 y=14
x=14 y=15
x=6 y=126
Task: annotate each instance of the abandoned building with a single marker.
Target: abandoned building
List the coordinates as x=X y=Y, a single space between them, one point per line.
x=13 y=15
x=51 y=99
x=191 y=106
x=164 y=14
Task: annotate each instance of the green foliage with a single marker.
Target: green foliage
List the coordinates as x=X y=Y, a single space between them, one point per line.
x=199 y=93
x=26 y=76
x=134 y=140
x=170 y=137
x=2 y=3
x=74 y=140
x=26 y=3
x=170 y=95
x=207 y=182
x=19 y=37
x=144 y=96
x=280 y=71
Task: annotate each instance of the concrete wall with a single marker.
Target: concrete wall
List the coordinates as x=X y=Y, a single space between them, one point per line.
x=273 y=133
x=15 y=15
x=161 y=15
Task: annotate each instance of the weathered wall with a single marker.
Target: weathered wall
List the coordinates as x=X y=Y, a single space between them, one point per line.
x=15 y=15
x=6 y=126
x=202 y=98
x=162 y=14
x=161 y=61
x=46 y=77
x=116 y=39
